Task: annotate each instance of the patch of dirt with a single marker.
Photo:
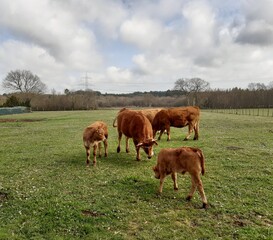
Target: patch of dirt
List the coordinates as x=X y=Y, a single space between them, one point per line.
x=239 y=223
x=92 y=213
x=3 y=196
x=21 y=120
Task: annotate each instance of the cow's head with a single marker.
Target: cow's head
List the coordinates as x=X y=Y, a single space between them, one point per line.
x=99 y=135
x=147 y=146
x=156 y=171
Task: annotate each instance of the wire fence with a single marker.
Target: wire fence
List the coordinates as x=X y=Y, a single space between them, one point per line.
x=265 y=112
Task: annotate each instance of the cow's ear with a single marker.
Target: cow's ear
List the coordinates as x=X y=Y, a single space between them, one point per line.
x=154 y=141
x=140 y=144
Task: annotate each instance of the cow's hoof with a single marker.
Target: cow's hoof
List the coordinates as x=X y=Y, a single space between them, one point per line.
x=127 y=150
x=205 y=206
x=175 y=189
x=185 y=139
x=105 y=155
x=195 y=138
x=188 y=198
x=118 y=149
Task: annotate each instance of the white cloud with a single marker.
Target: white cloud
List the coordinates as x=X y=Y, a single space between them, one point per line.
x=137 y=43
x=118 y=75
x=142 y=32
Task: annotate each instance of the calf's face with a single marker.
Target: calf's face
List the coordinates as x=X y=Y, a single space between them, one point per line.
x=99 y=135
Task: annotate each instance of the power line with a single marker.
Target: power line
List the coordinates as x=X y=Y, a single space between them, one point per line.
x=86 y=81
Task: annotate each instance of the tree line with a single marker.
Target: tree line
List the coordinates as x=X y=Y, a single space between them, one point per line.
x=29 y=91
x=89 y=100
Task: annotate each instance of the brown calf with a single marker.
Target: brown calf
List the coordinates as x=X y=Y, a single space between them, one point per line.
x=182 y=160
x=93 y=135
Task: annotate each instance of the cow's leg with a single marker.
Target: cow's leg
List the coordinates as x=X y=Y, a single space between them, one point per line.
x=138 y=153
x=201 y=191
x=87 y=149
x=174 y=177
x=99 y=146
x=168 y=128
x=189 y=132
x=160 y=134
x=119 y=139
x=105 y=143
x=95 y=154
x=127 y=145
x=196 y=130
x=193 y=188
x=162 y=178
x=196 y=182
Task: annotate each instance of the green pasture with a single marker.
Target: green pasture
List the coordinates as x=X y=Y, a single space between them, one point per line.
x=46 y=191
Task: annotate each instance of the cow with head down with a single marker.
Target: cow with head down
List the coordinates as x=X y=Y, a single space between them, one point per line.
x=136 y=126
x=182 y=160
x=177 y=117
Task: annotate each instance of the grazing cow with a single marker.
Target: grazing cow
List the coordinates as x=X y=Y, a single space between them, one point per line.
x=182 y=160
x=177 y=117
x=93 y=135
x=135 y=125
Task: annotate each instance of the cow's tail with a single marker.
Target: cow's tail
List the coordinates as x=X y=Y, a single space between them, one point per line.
x=202 y=160
x=115 y=122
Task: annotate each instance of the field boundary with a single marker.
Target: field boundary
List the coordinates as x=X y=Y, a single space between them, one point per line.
x=264 y=112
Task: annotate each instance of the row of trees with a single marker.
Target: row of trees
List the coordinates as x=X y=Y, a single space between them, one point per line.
x=195 y=91
x=81 y=100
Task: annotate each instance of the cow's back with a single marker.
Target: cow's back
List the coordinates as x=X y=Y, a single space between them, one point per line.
x=134 y=125
x=150 y=113
x=183 y=159
x=181 y=116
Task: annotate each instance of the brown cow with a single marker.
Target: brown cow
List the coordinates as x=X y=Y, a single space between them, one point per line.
x=182 y=160
x=177 y=117
x=135 y=125
x=93 y=135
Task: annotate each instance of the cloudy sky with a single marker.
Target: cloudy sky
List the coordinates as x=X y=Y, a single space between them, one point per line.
x=122 y=46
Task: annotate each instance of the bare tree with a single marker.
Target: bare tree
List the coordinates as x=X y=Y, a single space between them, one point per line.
x=23 y=81
x=182 y=85
x=192 y=87
x=256 y=86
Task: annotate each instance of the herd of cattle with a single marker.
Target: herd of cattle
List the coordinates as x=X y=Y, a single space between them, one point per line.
x=142 y=126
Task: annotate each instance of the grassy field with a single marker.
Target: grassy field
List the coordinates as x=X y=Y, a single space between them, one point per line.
x=46 y=192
